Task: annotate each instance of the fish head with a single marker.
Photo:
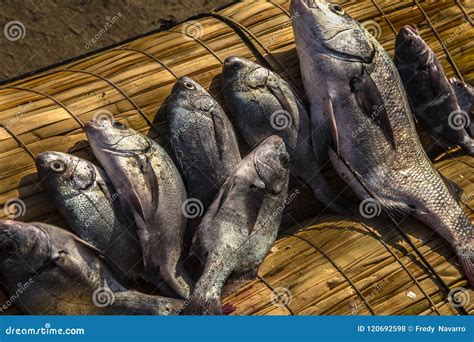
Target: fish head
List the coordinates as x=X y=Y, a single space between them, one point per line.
x=109 y=137
x=67 y=173
x=243 y=74
x=189 y=99
x=327 y=28
x=411 y=51
x=272 y=161
x=24 y=247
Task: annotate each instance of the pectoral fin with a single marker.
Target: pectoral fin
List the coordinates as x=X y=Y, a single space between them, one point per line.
x=219 y=132
x=285 y=103
x=371 y=103
x=331 y=122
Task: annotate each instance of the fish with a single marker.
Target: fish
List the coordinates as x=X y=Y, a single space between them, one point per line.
x=47 y=270
x=353 y=85
x=83 y=194
x=240 y=225
x=264 y=104
x=465 y=95
x=152 y=193
x=429 y=91
x=203 y=140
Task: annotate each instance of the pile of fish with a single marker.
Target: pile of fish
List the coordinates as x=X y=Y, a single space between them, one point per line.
x=139 y=244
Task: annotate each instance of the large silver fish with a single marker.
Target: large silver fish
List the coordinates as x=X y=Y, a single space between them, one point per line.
x=49 y=271
x=241 y=224
x=152 y=192
x=431 y=96
x=353 y=85
x=202 y=138
x=263 y=104
x=84 y=196
x=465 y=95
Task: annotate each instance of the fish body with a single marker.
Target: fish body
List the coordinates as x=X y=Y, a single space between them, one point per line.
x=241 y=224
x=263 y=104
x=465 y=95
x=354 y=87
x=152 y=193
x=202 y=138
x=49 y=271
x=429 y=91
x=84 y=196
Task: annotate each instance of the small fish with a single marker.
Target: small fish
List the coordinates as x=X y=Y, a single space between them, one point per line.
x=465 y=95
x=203 y=140
x=431 y=96
x=49 y=271
x=152 y=193
x=84 y=196
x=354 y=87
x=241 y=224
x=263 y=104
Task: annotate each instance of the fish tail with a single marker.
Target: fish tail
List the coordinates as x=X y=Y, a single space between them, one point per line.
x=198 y=304
x=466 y=258
x=178 y=279
x=328 y=197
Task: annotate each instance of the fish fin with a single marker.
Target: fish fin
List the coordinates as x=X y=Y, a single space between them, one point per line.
x=435 y=73
x=455 y=190
x=239 y=277
x=199 y=305
x=370 y=101
x=88 y=245
x=466 y=260
x=331 y=121
x=219 y=131
x=283 y=99
x=151 y=178
x=142 y=231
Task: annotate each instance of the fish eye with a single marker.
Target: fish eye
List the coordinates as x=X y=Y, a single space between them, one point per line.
x=285 y=160
x=11 y=247
x=118 y=125
x=189 y=85
x=458 y=84
x=57 y=166
x=337 y=9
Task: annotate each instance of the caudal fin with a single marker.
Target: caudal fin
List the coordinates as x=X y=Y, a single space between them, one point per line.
x=466 y=258
x=199 y=305
x=329 y=197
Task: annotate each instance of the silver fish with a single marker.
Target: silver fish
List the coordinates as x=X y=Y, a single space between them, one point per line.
x=152 y=193
x=48 y=270
x=241 y=224
x=263 y=104
x=203 y=140
x=84 y=196
x=431 y=96
x=353 y=85
x=465 y=95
